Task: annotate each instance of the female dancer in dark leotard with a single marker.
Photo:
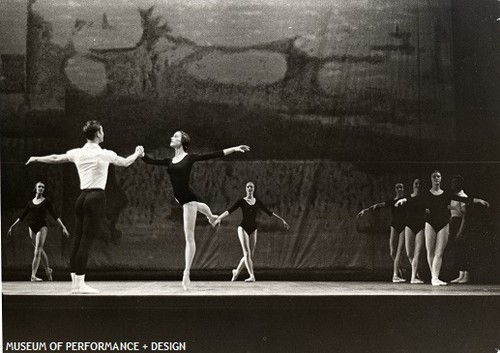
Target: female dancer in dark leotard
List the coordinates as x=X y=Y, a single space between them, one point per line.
x=437 y=201
x=414 y=232
x=179 y=169
x=249 y=206
x=398 y=224
x=37 y=210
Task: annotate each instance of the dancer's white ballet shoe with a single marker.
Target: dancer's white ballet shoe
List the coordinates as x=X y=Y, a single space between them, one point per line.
x=397 y=279
x=81 y=287
x=438 y=282
x=35 y=279
x=250 y=279
x=416 y=281
x=235 y=275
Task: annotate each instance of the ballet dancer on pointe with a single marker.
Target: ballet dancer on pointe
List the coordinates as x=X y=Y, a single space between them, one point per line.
x=179 y=169
x=36 y=210
x=398 y=224
x=436 y=233
x=248 y=227
x=92 y=163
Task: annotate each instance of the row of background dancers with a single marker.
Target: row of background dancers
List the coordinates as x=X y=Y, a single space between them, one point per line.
x=92 y=163
x=429 y=217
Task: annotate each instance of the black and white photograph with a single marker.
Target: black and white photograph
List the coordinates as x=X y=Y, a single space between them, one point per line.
x=250 y=176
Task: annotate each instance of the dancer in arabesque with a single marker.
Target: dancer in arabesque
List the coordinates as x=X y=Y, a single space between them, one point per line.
x=179 y=168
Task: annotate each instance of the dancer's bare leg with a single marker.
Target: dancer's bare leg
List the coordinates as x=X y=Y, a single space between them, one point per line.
x=40 y=237
x=245 y=246
x=430 y=244
x=419 y=246
x=203 y=208
x=397 y=257
x=237 y=271
x=441 y=242
x=44 y=259
x=252 y=243
x=190 y=211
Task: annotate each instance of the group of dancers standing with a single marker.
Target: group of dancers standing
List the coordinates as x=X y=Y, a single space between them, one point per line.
x=423 y=217
x=92 y=163
x=429 y=217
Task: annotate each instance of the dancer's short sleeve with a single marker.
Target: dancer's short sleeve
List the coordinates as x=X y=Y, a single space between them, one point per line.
x=72 y=154
x=109 y=156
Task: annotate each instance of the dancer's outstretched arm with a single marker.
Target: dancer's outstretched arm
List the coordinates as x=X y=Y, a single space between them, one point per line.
x=240 y=148
x=219 y=219
x=285 y=225
x=126 y=162
x=49 y=159
x=372 y=207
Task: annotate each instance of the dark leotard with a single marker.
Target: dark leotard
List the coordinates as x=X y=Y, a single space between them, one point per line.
x=438 y=206
x=249 y=213
x=37 y=213
x=398 y=215
x=415 y=214
x=180 y=173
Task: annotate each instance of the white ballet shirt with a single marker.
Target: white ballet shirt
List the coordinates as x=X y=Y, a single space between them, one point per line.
x=92 y=163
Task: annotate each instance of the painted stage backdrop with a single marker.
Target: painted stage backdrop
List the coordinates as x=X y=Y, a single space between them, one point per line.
x=339 y=100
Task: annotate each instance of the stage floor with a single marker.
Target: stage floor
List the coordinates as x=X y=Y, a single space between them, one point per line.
x=240 y=288
x=260 y=317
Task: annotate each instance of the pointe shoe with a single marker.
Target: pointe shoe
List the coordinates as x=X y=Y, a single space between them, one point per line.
x=396 y=279
x=235 y=275
x=48 y=272
x=186 y=281
x=35 y=279
x=416 y=281
x=250 y=279
x=457 y=280
x=438 y=282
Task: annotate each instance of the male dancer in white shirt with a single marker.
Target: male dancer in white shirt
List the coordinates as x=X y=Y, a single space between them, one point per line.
x=92 y=163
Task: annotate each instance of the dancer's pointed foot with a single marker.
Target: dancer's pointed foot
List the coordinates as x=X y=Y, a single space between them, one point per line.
x=416 y=281
x=235 y=275
x=396 y=279
x=186 y=281
x=212 y=220
x=250 y=279
x=456 y=280
x=35 y=279
x=48 y=272
x=438 y=282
